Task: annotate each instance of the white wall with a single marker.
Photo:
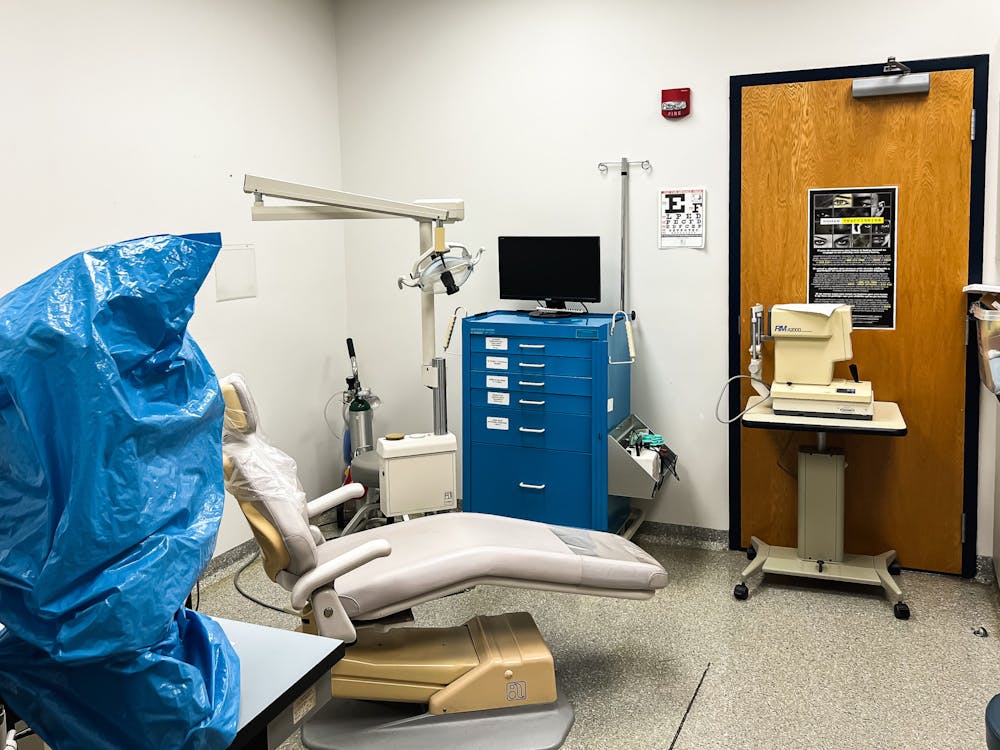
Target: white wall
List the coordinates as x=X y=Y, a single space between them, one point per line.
x=511 y=105
x=124 y=118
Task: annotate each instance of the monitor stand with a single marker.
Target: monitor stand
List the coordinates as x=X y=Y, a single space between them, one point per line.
x=554 y=309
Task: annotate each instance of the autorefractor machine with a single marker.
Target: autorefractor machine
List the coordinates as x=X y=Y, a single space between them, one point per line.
x=488 y=684
x=804 y=396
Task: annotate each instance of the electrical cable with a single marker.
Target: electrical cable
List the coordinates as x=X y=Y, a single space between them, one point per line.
x=726 y=387
x=236 y=583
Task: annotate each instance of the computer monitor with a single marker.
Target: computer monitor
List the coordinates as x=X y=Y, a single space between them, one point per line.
x=552 y=270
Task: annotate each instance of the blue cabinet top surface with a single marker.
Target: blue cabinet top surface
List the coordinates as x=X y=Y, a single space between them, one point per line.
x=497 y=322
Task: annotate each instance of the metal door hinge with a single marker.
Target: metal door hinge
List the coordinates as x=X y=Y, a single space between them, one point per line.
x=973 y=124
x=963 y=528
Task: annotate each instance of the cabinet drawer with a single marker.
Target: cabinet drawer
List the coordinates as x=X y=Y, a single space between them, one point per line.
x=530 y=384
x=532 y=345
x=522 y=364
x=496 y=424
x=547 y=486
x=531 y=402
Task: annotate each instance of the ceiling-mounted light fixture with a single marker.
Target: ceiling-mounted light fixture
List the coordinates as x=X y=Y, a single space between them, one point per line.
x=897 y=79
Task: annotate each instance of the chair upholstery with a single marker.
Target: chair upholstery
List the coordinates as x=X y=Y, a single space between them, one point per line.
x=429 y=557
x=437 y=555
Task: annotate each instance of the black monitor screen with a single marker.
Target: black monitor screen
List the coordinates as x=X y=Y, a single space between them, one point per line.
x=566 y=269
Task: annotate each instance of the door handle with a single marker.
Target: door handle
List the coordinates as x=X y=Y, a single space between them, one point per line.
x=526 y=486
x=531 y=403
x=528 y=364
x=532 y=430
x=532 y=346
x=528 y=382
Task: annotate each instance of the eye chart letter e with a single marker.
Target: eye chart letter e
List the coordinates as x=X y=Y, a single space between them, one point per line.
x=682 y=218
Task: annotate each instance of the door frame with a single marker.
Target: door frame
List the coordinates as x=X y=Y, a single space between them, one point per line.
x=980 y=67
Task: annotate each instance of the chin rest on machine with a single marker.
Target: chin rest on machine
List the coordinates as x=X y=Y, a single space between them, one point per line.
x=351 y=587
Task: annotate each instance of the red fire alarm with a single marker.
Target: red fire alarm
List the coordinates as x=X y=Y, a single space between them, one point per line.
x=675 y=103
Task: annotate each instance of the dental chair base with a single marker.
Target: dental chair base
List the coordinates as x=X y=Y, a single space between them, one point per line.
x=445 y=687
x=364 y=725
x=490 y=662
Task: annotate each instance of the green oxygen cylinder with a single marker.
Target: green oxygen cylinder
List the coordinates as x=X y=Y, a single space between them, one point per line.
x=359 y=413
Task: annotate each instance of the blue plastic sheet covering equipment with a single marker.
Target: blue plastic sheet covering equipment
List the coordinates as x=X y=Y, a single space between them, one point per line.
x=110 y=501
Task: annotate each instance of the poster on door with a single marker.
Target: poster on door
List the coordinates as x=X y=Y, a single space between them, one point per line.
x=852 y=252
x=682 y=218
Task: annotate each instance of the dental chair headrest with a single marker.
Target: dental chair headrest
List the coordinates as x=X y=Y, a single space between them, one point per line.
x=241 y=411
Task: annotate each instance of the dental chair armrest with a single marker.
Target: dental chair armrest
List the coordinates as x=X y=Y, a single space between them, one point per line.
x=328 y=572
x=339 y=496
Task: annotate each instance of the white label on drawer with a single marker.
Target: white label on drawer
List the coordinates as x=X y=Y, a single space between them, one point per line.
x=496 y=381
x=611 y=405
x=496 y=343
x=497 y=423
x=303 y=705
x=496 y=363
x=497 y=398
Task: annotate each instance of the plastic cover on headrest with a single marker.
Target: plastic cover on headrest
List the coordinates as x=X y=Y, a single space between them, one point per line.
x=241 y=411
x=265 y=476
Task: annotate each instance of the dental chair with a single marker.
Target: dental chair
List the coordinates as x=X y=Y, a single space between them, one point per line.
x=489 y=683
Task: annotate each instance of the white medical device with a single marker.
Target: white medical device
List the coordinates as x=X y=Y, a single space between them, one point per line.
x=808 y=340
x=417 y=474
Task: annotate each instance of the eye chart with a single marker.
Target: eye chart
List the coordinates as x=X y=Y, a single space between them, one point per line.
x=682 y=218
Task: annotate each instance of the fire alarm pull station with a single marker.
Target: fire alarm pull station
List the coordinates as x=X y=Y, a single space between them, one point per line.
x=675 y=103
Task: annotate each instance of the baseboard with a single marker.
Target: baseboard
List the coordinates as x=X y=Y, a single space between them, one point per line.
x=682 y=536
x=985 y=572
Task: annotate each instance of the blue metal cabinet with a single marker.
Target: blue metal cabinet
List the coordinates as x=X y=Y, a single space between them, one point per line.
x=538 y=399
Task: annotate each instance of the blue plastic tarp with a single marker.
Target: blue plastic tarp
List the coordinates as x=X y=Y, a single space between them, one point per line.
x=110 y=501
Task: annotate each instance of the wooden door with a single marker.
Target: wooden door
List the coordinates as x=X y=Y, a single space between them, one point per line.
x=904 y=493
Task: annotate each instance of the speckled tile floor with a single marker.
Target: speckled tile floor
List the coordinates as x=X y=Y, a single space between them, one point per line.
x=798 y=665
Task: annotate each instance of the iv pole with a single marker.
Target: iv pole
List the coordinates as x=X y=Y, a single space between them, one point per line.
x=625 y=165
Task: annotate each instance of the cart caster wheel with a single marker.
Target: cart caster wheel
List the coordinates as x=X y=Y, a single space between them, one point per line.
x=894 y=569
x=901 y=611
x=751 y=552
x=741 y=592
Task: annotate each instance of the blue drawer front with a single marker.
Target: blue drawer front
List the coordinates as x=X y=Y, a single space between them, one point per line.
x=547 y=486
x=531 y=346
x=532 y=402
x=530 y=384
x=566 y=432
x=530 y=365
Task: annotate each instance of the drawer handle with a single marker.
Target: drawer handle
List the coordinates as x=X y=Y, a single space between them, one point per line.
x=531 y=403
x=532 y=346
x=526 y=486
x=528 y=364
x=528 y=382
x=533 y=430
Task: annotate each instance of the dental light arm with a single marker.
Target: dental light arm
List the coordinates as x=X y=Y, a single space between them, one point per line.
x=433 y=272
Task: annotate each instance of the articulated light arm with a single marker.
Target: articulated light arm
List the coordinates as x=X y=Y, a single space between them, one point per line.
x=337 y=204
x=431 y=215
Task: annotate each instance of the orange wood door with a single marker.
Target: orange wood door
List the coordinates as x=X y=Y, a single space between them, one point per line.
x=901 y=493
